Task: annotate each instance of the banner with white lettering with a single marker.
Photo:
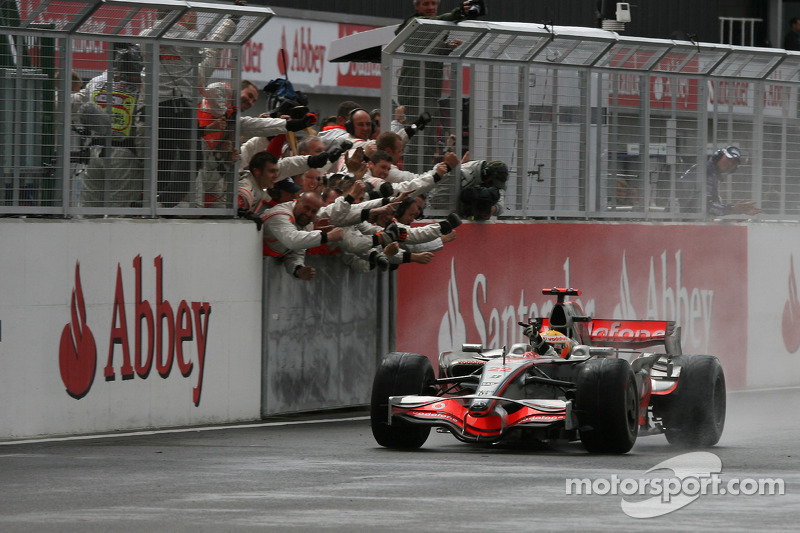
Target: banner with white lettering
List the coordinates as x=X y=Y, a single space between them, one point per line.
x=491 y=277
x=305 y=43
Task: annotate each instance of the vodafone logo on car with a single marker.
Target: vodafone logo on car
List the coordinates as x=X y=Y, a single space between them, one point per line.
x=160 y=333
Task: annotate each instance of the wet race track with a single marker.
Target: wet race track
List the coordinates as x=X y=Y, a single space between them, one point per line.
x=327 y=473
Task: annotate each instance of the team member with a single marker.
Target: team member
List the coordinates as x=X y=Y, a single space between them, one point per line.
x=253 y=185
x=482 y=189
x=724 y=161
x=289 y=231
x=380 y=170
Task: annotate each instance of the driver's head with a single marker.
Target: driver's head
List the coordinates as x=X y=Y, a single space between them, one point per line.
x=560 y=342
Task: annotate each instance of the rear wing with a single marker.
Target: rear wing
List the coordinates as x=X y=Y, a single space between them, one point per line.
x=636 y=334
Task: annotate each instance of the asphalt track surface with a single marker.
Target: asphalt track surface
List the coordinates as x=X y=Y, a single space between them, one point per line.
x=326 y=473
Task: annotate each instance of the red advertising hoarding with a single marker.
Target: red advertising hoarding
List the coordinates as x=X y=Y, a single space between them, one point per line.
x=482 y=284
x=663 y=88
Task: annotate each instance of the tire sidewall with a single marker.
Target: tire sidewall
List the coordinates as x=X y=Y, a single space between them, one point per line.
x=607 y=403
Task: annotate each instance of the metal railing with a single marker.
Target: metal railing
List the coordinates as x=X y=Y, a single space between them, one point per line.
x=738 y=30
x=596 y=125
x=87 y=129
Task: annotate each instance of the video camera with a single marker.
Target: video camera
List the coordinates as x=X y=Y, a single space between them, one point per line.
x=282 y=98
x=476 y=9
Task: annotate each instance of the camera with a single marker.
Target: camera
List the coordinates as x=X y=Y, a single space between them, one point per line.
x=476 y=9
x=282 y=98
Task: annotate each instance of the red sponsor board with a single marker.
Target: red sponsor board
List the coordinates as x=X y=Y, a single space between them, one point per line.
x=367 y=75
x=482 y=284
x=627 y=90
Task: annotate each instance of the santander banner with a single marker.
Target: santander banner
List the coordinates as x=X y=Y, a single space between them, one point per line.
x=482 y=284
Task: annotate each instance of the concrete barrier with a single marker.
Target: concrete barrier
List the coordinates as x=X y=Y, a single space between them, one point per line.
x=126 y=324
x=122 y=324
x=323 y=337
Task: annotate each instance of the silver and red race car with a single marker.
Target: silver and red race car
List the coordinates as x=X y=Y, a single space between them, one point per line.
x=582 y=378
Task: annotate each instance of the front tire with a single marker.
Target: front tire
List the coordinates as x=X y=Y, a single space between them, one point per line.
x=607 y=404
x=399 y=374
x=695 y=412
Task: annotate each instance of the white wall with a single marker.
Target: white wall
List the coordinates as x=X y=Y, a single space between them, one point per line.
x=211 y=265
x=774 y=310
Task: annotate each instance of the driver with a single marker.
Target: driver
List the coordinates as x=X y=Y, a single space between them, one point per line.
x=550 y=343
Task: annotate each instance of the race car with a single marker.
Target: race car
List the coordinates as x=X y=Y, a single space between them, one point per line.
x=581 y=378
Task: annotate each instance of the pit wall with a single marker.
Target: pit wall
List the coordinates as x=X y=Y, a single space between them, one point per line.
x=81 y=300
x=249 y=341
x=731 y=287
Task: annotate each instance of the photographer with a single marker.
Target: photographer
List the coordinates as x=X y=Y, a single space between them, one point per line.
x=722 y=163
x=114 y=174
x=428 y=75
x=410 y=75
x=483 y=185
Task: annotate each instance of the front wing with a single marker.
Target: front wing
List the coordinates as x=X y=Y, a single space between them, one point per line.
x=490 y=425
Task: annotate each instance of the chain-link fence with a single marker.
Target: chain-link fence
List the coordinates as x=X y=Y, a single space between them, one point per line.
x=120 y=107
x=593 y=124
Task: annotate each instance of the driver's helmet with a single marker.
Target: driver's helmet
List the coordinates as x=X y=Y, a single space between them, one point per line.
x=560 y=342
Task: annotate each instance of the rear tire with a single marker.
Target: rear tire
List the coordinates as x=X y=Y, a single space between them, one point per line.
x=399 y=374
x=607 y=404
x=695 y=412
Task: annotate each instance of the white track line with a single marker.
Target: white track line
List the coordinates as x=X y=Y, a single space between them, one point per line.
x=767 y=389
x=181 y=430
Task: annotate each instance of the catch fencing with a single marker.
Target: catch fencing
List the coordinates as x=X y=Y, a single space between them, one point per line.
x=65 y=151
x=593 y=124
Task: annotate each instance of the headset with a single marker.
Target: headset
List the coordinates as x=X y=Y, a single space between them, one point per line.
x=350 y=127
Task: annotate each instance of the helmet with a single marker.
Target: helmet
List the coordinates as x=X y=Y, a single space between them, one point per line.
x=128 y=63
x=560 y=342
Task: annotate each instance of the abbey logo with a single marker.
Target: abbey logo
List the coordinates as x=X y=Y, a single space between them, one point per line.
x=77 y=353
x=78 y=349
